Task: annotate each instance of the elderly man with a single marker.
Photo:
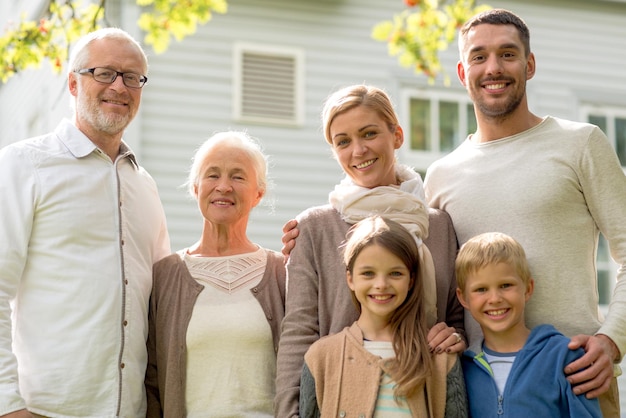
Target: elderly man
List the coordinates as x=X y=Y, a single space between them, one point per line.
x=81 y=225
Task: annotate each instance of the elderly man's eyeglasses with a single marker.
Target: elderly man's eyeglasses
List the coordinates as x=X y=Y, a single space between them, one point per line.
x=108 y=76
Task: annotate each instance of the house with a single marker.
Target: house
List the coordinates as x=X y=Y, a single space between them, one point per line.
x=267 y=65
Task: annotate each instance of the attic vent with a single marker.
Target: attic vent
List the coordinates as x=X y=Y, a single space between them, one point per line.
x=268 y=87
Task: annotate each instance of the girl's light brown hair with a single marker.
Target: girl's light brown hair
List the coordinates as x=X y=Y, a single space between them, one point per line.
x=412 y=363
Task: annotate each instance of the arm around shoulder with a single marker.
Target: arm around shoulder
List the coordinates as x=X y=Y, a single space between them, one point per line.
x=308 y=397
x=456 y=395
x=301 y=325
x=442 y=243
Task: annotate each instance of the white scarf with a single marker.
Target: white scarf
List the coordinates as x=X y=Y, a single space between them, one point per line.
x=405 y=204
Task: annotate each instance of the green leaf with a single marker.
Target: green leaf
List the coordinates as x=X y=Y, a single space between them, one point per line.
x=417 y=35
x=29 y=43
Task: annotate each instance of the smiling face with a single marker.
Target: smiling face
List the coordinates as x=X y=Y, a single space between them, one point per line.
x=107 y=109
x=496 y=296
x=494 y=68
x=380 y=282
x=365 y=147
x=227 y=187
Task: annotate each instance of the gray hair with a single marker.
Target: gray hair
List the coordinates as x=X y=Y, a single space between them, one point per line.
x=237 y=139
x=80 y=51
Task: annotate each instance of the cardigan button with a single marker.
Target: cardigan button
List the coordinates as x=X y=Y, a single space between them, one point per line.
x=342 y=414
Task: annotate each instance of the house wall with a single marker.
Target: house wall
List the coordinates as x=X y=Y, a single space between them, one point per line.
x=191 y=96
x=578 y=45
x=580 y=60
x=32 y=102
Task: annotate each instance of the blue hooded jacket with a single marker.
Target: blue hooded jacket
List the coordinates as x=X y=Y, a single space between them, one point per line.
x=536 y=386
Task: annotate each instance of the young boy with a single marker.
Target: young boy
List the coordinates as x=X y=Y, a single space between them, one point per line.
x=515 y=371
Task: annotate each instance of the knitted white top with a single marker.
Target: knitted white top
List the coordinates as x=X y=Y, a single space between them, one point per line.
x=231 y=363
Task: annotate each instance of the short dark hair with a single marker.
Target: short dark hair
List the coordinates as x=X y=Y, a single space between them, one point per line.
x=497 y=17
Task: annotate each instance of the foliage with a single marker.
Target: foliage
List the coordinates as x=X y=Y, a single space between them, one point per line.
x=419 y=33
x=178 y=18
x=29 y=43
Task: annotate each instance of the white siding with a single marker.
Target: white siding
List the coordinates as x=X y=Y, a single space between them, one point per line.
x=578 y=44
x=579 y=47
x=190 y=96
x=579 y=50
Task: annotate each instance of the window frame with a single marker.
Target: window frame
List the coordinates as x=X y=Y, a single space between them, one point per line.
x=421 y=159
x=610 y=113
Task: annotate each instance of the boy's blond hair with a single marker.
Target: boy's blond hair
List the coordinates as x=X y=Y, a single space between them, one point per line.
x=490 y=248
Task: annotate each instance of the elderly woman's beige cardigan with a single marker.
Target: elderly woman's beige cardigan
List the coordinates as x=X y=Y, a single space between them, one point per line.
x=174 y=293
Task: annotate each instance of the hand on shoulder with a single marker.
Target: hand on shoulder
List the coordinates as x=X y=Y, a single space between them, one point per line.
x=290 y=232
x=592 y=373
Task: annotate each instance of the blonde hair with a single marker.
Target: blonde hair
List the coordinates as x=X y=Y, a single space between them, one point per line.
x=350 y=97
x=412 y=363
x=490 y=248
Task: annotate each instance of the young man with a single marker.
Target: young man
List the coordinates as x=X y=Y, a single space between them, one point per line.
x=513 y=371
x=551 y=184
x=81 y=225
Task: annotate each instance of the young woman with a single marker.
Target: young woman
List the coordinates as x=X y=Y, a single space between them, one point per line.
x=342 y=373
x=362 y=128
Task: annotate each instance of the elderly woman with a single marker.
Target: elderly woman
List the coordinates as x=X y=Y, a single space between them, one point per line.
x=216 y=307
x=362 y=129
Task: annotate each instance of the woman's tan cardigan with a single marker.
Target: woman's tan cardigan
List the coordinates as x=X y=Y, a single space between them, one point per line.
x=347 y=378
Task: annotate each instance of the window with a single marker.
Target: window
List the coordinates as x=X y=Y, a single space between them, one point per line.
x=614 y=126
x=606 y=272
x=268 y=84
x=612 y=121
x=437 y=123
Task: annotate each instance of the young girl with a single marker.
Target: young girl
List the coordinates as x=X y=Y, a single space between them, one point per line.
x=381 y=365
